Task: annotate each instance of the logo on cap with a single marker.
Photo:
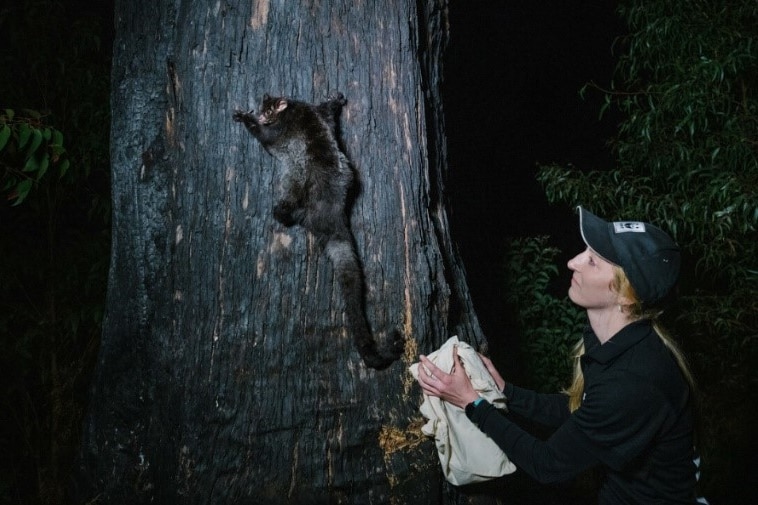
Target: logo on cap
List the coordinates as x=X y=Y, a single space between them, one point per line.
x=628 y=226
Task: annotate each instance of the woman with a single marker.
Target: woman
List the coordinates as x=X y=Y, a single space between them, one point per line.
x=629 y=409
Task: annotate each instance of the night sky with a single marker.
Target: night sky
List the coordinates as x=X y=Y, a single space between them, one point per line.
x=512 y=79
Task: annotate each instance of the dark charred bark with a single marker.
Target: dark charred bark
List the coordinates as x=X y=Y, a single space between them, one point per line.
x=225 y=374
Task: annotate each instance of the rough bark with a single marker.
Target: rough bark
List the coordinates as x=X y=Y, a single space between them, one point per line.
x=225 y=374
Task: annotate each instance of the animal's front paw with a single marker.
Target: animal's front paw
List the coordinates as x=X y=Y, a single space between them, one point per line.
x=243 y=117
x=338 y=98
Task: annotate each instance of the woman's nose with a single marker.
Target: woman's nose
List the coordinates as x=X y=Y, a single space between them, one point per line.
x=573 y=262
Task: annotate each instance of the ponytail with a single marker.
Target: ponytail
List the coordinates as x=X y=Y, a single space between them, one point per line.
x=576 y=388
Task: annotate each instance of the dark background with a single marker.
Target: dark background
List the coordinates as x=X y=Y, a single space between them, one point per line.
x=512 y=78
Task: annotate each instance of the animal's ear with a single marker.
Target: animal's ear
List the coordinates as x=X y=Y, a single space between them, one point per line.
x=281 y=104
x=266 y=97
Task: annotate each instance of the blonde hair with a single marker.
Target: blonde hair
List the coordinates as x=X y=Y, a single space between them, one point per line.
x=635 y=310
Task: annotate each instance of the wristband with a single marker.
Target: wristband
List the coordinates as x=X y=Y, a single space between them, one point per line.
x=472 y=406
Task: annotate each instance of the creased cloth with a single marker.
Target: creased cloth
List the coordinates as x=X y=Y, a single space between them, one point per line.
x=466 y=454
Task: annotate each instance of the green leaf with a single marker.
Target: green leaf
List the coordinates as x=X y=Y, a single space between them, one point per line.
x=5 y=134
x=24 y=132
x=31 y=165
x=57 y=151
x=22 y=191
x=36 y=141
x=57 y=138
x=64 y=168
x=34 y=114
x=43 y=166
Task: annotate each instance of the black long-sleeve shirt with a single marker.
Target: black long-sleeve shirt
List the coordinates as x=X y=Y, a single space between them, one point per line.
x=635 y=420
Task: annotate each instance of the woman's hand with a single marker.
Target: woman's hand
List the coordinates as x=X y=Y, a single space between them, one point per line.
x=454 y=387
x=493 y=372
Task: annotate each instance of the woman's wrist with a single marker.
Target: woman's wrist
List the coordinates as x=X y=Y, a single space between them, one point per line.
x=471 y=396
x=472 y=406
x=474 y=403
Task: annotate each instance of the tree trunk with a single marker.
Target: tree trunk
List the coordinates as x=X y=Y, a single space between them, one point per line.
x=225 y=373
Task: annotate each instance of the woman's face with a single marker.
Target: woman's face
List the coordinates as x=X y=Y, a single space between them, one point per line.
x=592 y=281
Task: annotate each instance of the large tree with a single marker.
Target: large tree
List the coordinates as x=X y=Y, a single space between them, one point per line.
x=225 y=374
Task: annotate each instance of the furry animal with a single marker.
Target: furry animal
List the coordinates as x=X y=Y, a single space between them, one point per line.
x=313 y=194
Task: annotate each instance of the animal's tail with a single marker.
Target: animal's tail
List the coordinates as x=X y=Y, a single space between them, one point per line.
x=349 y=277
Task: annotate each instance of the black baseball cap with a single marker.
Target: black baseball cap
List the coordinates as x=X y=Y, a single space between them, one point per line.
x=648 y=255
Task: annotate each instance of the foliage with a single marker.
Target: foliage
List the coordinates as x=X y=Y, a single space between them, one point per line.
x=687 y=159
x=28 y=148
x=56 y=237
x=550 y=327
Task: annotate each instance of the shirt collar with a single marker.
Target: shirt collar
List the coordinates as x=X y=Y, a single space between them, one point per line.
x=627 y=337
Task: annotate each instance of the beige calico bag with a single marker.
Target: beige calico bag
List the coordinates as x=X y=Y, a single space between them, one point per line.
x=466 y=454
